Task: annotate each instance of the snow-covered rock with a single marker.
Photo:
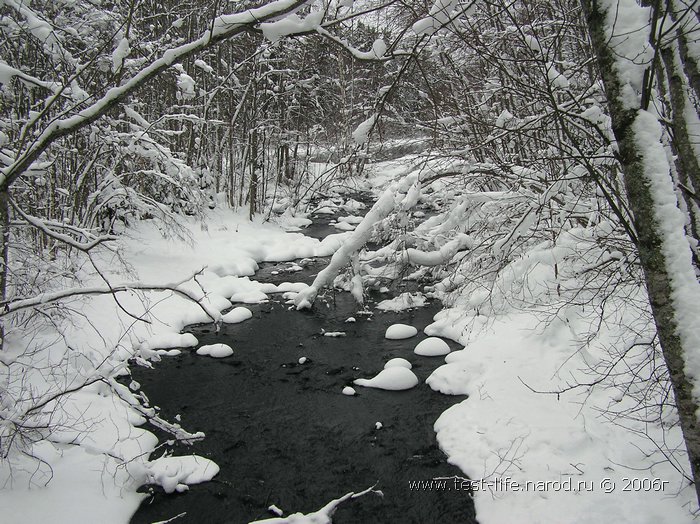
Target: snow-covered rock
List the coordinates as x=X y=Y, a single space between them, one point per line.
x=398 y=363
x=237 y=315
x=177 y=473
x=400 y=332
x=216 y=350
x=432 y=347
x=392 y=379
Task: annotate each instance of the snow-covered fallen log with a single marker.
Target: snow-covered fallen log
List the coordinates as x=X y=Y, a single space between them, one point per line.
x=394 y=195
x=323 y=515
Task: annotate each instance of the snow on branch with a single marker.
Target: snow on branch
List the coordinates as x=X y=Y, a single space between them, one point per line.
x=223 y=28
x=46 y=228
x=387 y=202
x=442 y=255
x=377 y=52
x=42 y=299
x=8 y=72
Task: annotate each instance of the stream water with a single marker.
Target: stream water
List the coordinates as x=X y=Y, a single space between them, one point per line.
x=284 y=434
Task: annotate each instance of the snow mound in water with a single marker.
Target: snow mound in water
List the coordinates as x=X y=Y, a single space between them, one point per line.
x=398 y=363
x=450 y=379
x=176 y=473
x=400 y=331
x=432 y=347
x=402 y=302
x=236 y=315
x=350 y=391
x=169 y=340
x=344 y=226
x=216 y=350
x=249 y=297
x=392 y=379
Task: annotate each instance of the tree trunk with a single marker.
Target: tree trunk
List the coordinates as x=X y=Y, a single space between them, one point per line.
x=686 y=161
x=4 y=255
x=649 y=240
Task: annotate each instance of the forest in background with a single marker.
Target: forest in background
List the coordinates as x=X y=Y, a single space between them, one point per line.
x=524 y=117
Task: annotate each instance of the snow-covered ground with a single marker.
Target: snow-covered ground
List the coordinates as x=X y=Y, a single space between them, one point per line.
x=96 y=456
x=538 y=457
x=548 y=457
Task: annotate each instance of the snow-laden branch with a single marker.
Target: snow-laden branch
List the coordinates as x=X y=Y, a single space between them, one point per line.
x=223 y=28
x=442 y=255
x=46 y=228
x=42 y=299
x=377 y=52
x=8 y=72
x=392 y=196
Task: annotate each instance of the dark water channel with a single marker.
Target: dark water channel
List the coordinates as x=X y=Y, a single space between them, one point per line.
x=284 y=434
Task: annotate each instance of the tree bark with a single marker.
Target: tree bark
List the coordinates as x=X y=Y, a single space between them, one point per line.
x=649 y=241
x=4 y=254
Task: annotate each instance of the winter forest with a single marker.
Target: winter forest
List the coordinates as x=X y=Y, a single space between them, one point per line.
x=349 y=261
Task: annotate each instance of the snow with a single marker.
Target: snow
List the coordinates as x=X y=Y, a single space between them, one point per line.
x=167 y=341
x=440 y=13
x=412 y=197
x=398 y=363
x=503 y=429
x=361 y=133
x=203 y=66
x=185 y=86
x=392 y=379
x=120 y=53
x=177 y=473
x=532 y=43
x=627 y=26
x=504 y=117
x=347 y=390
x=216 y=350
x=400 y=332
x=291 y=24
x=450 y=379
x=334 y=334
x=443 y=254
x=556 y=79
x=237 y=315
x=506 y=431
x=344 y=226
x=346 y=248
x=402 y=302
x=685 y=288
x=379 y=48
x=322 y=516
x=252 y=296
x=106 y=465
x=223 y=26
x=432 y=347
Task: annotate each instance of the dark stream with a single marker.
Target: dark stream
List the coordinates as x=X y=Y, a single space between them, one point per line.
x=284 y=434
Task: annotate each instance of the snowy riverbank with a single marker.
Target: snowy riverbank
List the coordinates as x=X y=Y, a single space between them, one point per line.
x=505 y=433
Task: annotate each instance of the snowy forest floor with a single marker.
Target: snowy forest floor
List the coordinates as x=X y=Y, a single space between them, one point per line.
x=542 y=457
